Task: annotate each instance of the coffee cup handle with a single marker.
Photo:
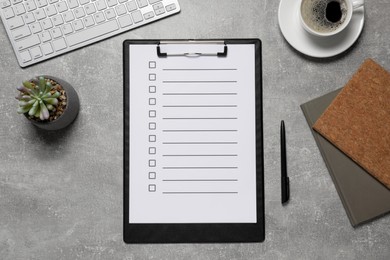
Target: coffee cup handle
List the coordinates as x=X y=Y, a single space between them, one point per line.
x=358 y=3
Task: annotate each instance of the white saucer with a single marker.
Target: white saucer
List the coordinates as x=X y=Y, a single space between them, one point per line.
x=314 y=46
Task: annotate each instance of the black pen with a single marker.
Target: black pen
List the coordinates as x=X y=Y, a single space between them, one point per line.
x=283 y=156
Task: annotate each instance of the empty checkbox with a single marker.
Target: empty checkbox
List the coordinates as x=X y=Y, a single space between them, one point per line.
x=152 y=89
x=152 y=126
x=152 y=77
x=152 y=113
x=152 y=64
x=152 y=187
x=152 y=138
x=152 y=175
x=152 y=163
x=152 y=101
x=152 y=150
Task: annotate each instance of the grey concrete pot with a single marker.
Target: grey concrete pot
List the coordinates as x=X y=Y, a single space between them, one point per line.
x=71 y=111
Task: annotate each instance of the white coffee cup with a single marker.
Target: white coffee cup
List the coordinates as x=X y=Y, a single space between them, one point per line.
x=316 y=23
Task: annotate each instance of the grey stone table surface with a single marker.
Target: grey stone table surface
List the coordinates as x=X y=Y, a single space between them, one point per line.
x=61 y=193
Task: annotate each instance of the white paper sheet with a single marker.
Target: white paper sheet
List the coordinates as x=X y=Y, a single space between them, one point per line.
x=192 y=137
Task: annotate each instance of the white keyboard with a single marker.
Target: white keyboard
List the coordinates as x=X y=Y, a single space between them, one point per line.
x=42 y=29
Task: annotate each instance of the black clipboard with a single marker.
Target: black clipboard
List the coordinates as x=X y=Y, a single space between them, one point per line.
x=196 y=232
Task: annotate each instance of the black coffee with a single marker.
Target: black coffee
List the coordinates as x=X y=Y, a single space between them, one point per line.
x=333 y=12
x=324 y=16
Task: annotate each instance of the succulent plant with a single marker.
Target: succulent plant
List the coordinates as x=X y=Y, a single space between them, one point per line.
x=37 y=98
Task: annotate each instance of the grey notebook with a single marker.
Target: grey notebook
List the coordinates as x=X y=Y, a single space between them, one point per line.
x=363 y=197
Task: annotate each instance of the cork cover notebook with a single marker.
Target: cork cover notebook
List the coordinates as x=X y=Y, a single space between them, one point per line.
x=358 y=120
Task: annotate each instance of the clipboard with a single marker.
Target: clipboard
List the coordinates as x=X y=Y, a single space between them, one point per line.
x=193 y=141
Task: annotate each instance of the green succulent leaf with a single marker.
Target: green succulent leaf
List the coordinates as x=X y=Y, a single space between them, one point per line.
x=56 y=94
x=23 y=98
x=28 y=103
x=22 y=110
x=47 y=95
x=42 y=85
x=24 y=90
x=48 y=87
x=52 y=101
x=28 y=84
x=34 y=108
x=44 y=111
x=38 y=111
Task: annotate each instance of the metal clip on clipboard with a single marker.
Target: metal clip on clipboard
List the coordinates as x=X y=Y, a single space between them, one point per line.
x=191 y=54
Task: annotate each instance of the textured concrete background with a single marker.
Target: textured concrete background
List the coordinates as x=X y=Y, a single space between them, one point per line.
x=61 y=194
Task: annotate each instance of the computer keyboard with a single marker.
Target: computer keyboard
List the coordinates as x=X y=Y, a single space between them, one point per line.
x=42 y=29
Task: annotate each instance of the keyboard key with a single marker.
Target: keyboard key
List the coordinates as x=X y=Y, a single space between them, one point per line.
x=90 y=9
x=111 y=2
x=170 y=7
x=40 y=14
x=67 y=28
x=53 y=1
x=125 y=21
x=30 y=5
x=101 y=5
x=45 y=36
x=25 y=56
x=142 y=3
x=36 y=28
x=15 y=22
x=149 y=15
x=21 y=32
x=5 y=3
x=158 y=6
x=47 y=49
x=88 y=21
x=131 y=6
x=93 y=32
x=47 y=24
x=78 y=25
x=50 y=10
x=8 y=13
x=79 y=12
x=153 y=1
x=28 y=42
x=62 y=6
x=68 y=16
x=159 y=11
x=83 y=2
x=41 y=3
x=137 y=16
x=110 y=13
x=28 y=18
x=59 y=44
x=73 y=4
x=36 y=52
x=99 y=17
x=122 y=1
x=57 y=20
x=19 y=9
x=56 y=32
x=120 y=9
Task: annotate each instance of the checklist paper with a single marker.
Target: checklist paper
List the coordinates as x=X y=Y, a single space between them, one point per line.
x=192 y=151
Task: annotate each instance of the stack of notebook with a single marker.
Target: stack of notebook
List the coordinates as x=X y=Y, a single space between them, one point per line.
x=352 y=129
